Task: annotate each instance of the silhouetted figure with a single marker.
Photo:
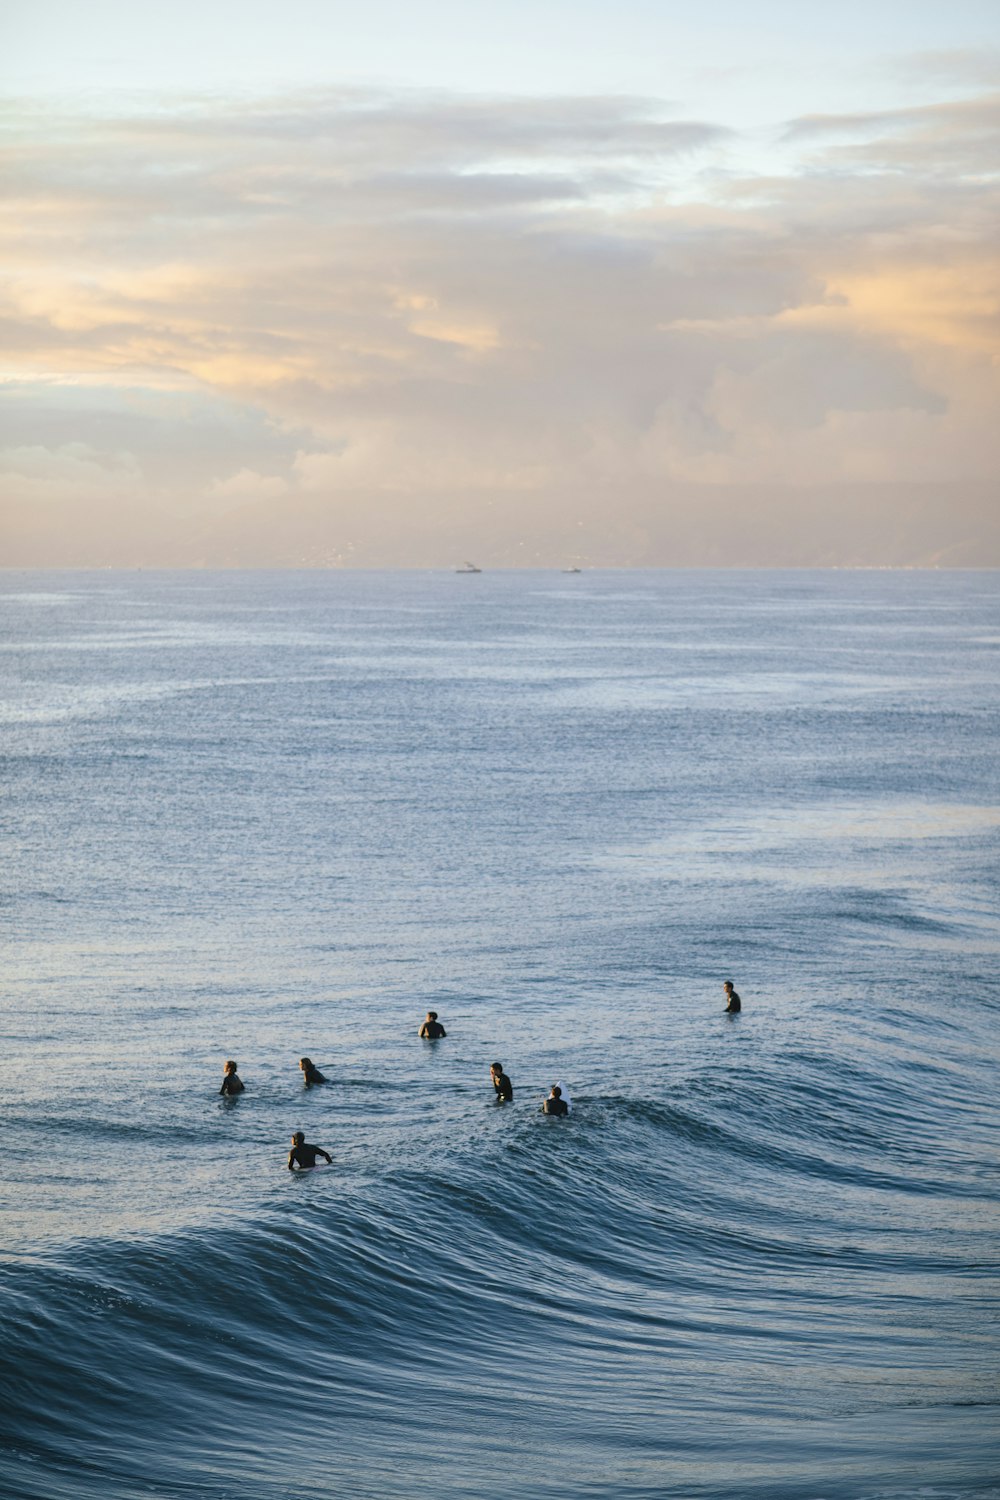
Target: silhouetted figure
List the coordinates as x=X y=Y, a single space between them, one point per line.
x=303 y=1156
x=502 y=1086
x=432 y=1028
x=555 y=1104
x=310 y=1073
x=732 y=999
x=231 y=1081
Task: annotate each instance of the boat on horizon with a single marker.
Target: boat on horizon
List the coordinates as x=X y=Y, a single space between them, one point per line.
x=468 y=567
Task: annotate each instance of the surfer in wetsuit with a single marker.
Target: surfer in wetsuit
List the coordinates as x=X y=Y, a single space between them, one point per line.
x=432 y=1028
x=232 y=1083
x=732 y=999
x=303 y=1156
x=310 y=1073
x=502 y=1086
x=555 y=1104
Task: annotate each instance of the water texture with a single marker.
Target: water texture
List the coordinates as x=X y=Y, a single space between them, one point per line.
x=266 y=815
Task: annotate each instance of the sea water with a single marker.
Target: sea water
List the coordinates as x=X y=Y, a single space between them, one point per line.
x=266 y=815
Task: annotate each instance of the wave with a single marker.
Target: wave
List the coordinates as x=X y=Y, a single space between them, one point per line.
x=543 y=1271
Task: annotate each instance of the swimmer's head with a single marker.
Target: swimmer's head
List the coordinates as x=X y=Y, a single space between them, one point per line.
x=728 y=984
x=556 y=1091
x=298 y=1138
x=496 y=1067
x=230 y=1067
x=305 y=1062
x=432 y=1015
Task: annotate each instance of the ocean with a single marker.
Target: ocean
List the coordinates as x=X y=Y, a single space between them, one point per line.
x=266 y=815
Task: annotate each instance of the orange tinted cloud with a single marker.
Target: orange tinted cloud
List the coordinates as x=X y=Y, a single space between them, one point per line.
x=419 y=294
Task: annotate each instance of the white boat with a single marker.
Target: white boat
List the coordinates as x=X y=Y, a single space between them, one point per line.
x=468 y=567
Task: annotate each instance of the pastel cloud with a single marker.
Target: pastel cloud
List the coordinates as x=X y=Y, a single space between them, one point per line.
x=353 y=294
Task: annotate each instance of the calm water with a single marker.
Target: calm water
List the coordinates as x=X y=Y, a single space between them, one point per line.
x=262 y=815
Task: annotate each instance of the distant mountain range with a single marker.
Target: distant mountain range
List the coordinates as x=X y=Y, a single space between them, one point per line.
x=871 y=525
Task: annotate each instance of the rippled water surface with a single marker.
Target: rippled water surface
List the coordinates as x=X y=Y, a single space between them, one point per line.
x=266 y=815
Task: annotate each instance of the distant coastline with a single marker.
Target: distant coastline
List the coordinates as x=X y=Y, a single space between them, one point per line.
x=872 y=526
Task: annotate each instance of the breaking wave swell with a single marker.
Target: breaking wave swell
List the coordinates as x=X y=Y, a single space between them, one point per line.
x=360 y=1334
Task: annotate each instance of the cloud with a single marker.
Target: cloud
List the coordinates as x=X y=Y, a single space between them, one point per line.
x=174 y=448
x=958 y=137
x=954 y=67
x=232 y=307
x=70 y=471
x=246 y=485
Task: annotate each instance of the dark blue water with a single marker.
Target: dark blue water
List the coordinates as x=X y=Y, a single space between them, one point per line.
x=266 y=815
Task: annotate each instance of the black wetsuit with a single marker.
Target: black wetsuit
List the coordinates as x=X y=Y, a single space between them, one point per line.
x=231 y=1084
x=313 y=1075
x=504 y=1089
x=432 y=1030
x=734 y=1003
x=555 y=1107
x=304 y=1156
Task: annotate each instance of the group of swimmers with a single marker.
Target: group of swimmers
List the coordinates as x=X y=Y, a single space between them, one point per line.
x=232 y=1083
x=303 y=1156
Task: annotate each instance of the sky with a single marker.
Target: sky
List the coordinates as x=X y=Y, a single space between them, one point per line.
x=550 y=284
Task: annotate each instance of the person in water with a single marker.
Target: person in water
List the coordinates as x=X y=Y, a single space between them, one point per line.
x=732 y=999
x=303 y=1156
x=232 y=1083
x=502 y=1086
x=432 y=1027
x=555 y=1104
x=310 y=1073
